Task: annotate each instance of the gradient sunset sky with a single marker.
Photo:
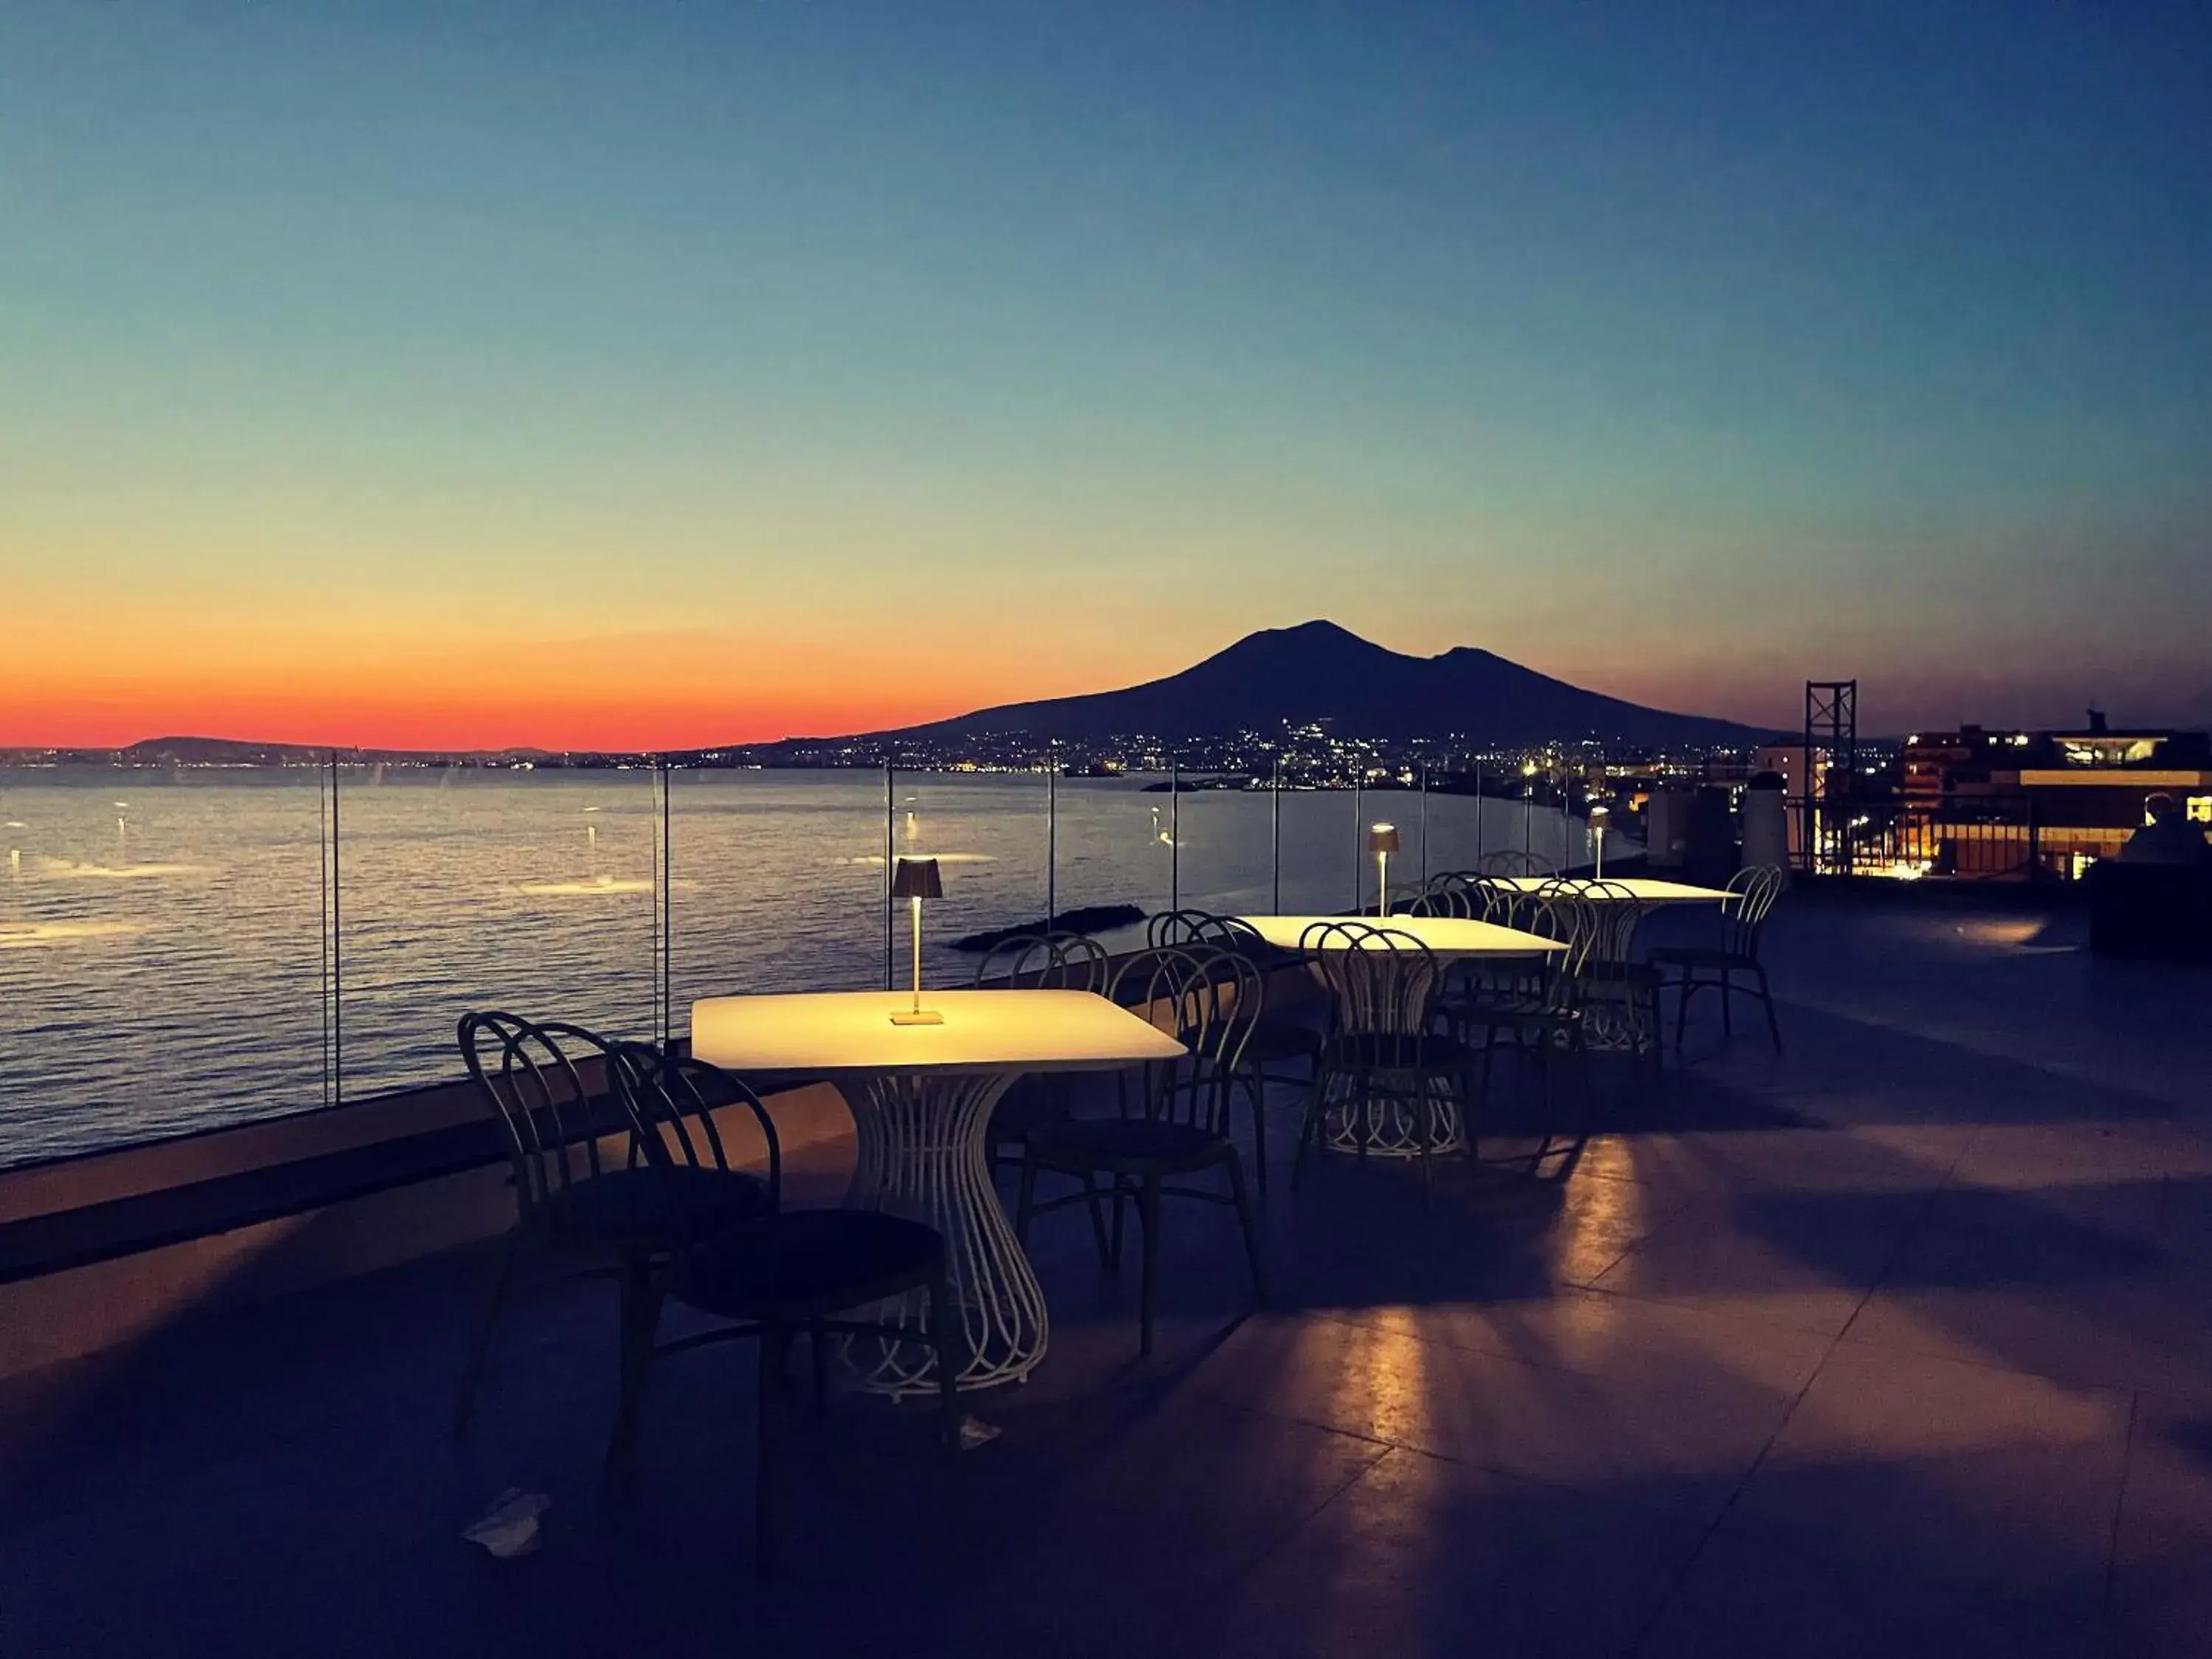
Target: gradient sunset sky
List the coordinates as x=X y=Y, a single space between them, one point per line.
x=634 y=374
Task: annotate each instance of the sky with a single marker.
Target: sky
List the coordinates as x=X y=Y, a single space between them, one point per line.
x=631 y=375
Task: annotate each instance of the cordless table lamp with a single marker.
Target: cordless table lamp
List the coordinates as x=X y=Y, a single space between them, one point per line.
x=914 y=880
x=1381 y=841
x=1598 y=815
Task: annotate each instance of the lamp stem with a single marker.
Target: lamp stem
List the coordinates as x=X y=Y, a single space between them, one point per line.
x=916 y=902
x=1382 y=883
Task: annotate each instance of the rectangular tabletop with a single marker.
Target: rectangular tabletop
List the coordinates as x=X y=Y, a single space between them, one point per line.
x=983 y=1031
x=1447 y=936
x=1648 y=888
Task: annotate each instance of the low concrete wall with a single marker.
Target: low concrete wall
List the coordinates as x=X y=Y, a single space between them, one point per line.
x=82 y=1310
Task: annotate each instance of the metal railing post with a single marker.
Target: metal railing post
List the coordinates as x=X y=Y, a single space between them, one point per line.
x=1275 y=838
x=1051 y=843
x=1424 y=824
x=1358 y=836
x=891 y=966
x=1174 y=832
x=1478 y=814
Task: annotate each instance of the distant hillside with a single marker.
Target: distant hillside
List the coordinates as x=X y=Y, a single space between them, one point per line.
x=1320 y=672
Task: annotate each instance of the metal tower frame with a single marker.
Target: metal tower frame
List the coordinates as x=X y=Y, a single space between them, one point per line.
x=1832 y=722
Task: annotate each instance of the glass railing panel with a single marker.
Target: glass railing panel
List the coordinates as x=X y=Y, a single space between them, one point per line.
x=465 y=888
x=1324 y=841
x=1115 y=849
x=1222 y=849
x=989 y=834
x=160 y=951
x=776 y=882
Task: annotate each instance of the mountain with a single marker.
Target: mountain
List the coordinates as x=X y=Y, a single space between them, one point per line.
x=1320 y=672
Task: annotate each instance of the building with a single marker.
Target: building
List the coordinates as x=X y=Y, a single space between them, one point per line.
x=1978 y=801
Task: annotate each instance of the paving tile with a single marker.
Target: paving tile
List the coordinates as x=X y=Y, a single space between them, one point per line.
x=1601 y=1335
x=1664 y=1431
x=1808 y=1259
x=1979 y=1478
x=1746 y=1595
x=1424 y=1556
x=2162 y=1585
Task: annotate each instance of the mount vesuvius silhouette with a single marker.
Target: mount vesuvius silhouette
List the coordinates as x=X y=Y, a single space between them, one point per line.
x=1320 y=672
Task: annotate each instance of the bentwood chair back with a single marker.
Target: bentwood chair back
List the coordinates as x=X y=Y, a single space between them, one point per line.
x=534 y=1078
x=1210 y=1001
x=1513 y=861
x=1757 y=886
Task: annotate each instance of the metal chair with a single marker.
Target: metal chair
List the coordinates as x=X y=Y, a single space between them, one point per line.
x=1210 y=1001
x=1382 y=1055
x=778 y=1275
x=1513 y=861
x=1037 y=961
x=1277 y=1050
x=548 y=1087
x=1741 y=923
x=1545 y=1014
x=1621 y=994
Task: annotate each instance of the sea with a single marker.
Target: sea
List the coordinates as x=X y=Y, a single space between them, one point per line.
x=183 y=948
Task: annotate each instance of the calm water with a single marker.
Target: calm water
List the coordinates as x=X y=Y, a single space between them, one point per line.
x=163 y=936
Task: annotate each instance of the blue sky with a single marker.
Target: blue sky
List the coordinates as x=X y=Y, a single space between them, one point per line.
x=361 y=366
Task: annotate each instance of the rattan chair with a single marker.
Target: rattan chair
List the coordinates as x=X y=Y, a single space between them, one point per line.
x=1176 y=1128
x=1383 y=1053
x=1620 y=1002
x=777 y=1275
x=1742 y=920
x=1277 y=1050
x=1544 y=1012
x=1513 y=861
x=1037 y=961
x=548 y=1088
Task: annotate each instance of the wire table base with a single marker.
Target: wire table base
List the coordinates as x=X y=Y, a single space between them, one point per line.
x=924 y=1154
x=1388 y=1125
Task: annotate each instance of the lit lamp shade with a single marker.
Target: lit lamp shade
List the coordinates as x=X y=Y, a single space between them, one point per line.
x=1381 y=837
x=1598 y=815
x=916 y=879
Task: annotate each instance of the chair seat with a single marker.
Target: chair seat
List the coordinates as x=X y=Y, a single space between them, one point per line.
x=1524 y=1017
x=1275 y=1041
x=1429 y=1051
x=1022 y=1108
x=1637 y=974
x=819 y=1259
x=1700 y=956
x=645 y=1206
x=1109 y=1141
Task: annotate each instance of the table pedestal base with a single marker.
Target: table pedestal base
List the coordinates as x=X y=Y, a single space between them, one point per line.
x=1389 y=1124
x=924 y=1154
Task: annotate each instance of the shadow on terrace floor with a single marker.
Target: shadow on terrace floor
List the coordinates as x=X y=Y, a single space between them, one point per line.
x=1898 y=1342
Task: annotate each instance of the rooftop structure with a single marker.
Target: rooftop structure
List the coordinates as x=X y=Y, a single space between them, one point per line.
x=1894 y=1343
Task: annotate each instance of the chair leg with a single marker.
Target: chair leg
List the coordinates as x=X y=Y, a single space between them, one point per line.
x=942 y=1337
x=1682 y=1005
x=774 y=1342
x=1148 y=1217
x=1425 y=1122
x=1244 y=1204
x=1092 y=1197
x=637 y=1317
x=1255 y=1083
x=1309 y=1124
x=1766 y=997
x=1113 y=1233
x=465 y=1402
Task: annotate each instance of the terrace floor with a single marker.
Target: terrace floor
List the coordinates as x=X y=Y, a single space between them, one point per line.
x=1899 y=1344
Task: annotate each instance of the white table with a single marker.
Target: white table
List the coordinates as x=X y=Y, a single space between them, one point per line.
x=1447 y=937
x=1386 y=1127
x=921 y=1098
x=1648 y=889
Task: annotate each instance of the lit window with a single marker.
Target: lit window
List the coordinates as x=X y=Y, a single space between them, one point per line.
x=2200 y=809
